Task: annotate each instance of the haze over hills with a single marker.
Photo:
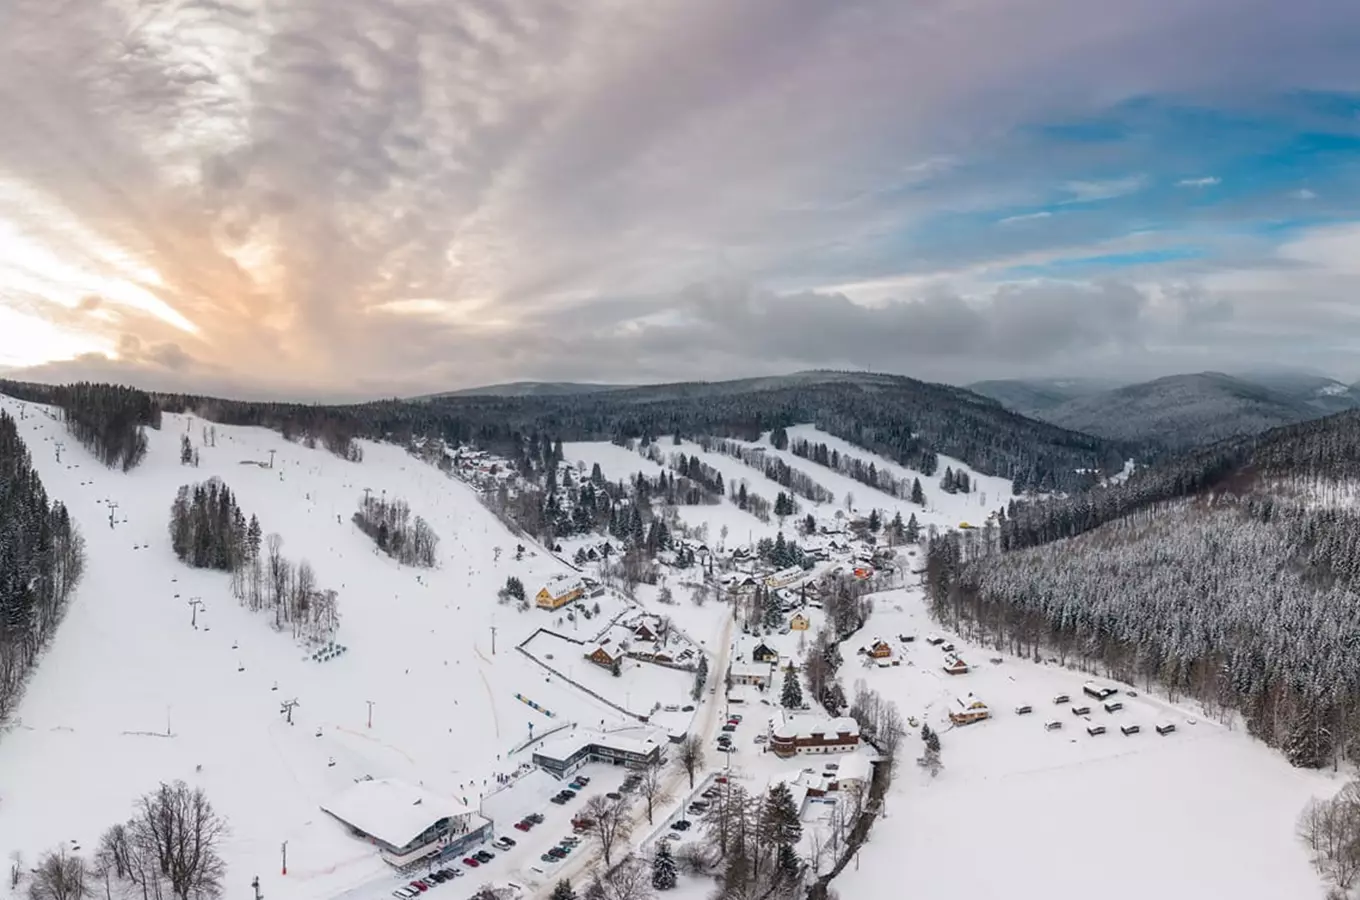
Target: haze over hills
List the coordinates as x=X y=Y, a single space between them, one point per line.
x=1031 y=395
x=1180 y=411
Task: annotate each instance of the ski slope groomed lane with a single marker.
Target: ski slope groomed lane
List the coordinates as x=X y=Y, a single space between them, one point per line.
x=131 y=693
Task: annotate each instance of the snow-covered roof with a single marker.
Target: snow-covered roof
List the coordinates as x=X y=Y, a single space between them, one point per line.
x=749 y=670
x=561 y=584
x=804 y=726
x=639 y=740
x=854 y=767
x=392 y=811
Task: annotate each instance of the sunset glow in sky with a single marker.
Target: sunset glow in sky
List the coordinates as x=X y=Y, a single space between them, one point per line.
x=374 y=198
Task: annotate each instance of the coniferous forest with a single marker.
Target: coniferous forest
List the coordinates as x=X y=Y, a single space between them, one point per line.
x=41 y=558
x=1231 y=576
x=106 y=418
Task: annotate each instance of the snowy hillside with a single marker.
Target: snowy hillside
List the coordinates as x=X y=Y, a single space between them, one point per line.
x=132 y=694
x=941 y=509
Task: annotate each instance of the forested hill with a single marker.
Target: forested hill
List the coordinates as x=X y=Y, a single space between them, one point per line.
x=1320 y=449
x=1230 y=575
x=906 y=420
x=909 y=421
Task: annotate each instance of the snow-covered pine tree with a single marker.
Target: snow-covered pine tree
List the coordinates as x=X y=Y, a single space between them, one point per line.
x=663 y=867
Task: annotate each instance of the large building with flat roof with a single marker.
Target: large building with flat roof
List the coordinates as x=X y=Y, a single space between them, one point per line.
x=406 y=822
x=633 y=747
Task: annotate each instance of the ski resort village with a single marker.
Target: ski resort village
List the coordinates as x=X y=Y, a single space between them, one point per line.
x=372 y=669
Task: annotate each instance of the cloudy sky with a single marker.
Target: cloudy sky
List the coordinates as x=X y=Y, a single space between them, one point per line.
x=375 y=197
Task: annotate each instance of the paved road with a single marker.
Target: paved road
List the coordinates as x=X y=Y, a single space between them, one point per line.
x=589 y=858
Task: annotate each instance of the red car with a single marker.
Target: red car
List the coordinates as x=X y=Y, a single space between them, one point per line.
x=721 y=779
x=522 y=826
x=470 y=862
x=420 y=886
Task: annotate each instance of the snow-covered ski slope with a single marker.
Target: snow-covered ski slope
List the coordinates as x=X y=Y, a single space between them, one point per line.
x=127 y=667
x=1020 y=811
x=941 y=509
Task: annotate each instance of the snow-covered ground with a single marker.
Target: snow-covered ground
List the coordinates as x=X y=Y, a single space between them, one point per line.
x=1019 y=811
x=130 y=694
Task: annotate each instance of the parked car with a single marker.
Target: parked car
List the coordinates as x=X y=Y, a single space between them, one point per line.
x=523 y=826
x=548 y=858
x=1113 y=706
x=485 y=855
x=1024 y=710
x=420 y=886
x=470 y=862
x=568 y=793
x=1165 y=728
x=729 y=728
x=1094 y=730
x=405 y=893
x=583 y=779
x=1081 y=710
x=559 y=799
x=433 y=878
x=947 y=647
x=1061 y=699
x=1129 y=729
x=452 y=873
x=614 y=795
x=1053 y=725
x=571 y=840
x=721 y=779
x=735 y=717
x=680 y=825
x=534 y=818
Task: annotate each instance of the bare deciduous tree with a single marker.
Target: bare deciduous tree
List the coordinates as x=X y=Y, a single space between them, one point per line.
x=176 y=826
x=609 y=823
x=630 y=880
x=58 y=876
x=651 y=787
x=691 y=756
x=1330 y=829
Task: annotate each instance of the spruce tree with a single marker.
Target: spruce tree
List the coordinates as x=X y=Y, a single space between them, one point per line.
x=563 y=891
x=663 y=867
x=791 y=697
x=918 y=496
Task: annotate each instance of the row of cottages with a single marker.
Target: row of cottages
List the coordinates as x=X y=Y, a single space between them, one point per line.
x=560 y=591
x=802 y=733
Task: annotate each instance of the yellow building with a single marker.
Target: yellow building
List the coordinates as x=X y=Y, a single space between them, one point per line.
x=798 y=622
x=558 y=593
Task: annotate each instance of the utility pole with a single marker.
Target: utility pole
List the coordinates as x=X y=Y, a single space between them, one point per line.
x=287 y=709
x=271 y=459
x=113 y=511
x=60 y=445
x=285 y=857
x=370 y=712
x=493 y=640
x=255 y=883
x=194 y=603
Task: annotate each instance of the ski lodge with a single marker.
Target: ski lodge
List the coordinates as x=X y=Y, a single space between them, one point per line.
x=405 y=822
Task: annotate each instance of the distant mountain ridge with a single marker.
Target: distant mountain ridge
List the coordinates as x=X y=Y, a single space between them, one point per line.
x=527 y=389
x=1181 y=411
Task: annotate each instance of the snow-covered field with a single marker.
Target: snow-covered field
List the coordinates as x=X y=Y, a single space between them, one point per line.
x=130 y=694
x=1019 y=811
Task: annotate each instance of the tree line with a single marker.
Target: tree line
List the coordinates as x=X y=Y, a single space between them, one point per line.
x=407 y=539
x=41 y=560
x=772 y=467
x=106 y=419
x=869 y=473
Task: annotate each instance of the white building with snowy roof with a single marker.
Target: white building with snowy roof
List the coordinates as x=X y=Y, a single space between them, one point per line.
x=407 y=823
